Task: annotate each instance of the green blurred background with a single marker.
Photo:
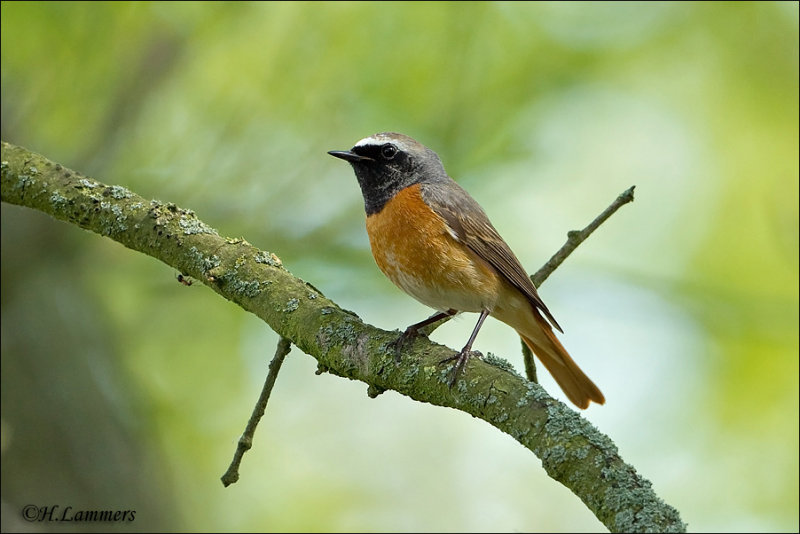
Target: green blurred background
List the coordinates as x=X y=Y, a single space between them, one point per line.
x=123 y=389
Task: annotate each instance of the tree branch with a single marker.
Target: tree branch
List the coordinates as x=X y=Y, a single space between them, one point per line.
x=246 y=441
x=576 y=237
x=572 y=451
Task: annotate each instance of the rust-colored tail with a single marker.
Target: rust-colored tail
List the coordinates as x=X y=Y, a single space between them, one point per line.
x=578 y=387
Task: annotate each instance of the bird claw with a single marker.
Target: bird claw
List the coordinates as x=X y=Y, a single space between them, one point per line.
x=461 y=362
x=404 y=338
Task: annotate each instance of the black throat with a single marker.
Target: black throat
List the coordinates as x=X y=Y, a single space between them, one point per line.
x=378 y=189
x=383 y=175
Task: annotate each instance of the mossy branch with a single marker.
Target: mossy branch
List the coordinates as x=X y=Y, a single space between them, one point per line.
x=572 y=451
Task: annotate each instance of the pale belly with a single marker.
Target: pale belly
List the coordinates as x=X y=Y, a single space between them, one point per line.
x=437 y=284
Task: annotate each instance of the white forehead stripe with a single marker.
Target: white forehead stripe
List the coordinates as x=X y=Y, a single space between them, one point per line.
x=368 y=141
x=381 y=139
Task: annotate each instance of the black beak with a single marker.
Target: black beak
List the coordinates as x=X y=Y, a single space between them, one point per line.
x=347 y=155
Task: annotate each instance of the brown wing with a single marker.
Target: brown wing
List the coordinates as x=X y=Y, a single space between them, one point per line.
x=472 y=227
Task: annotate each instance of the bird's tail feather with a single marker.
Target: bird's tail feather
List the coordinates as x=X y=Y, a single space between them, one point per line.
x=578 y=387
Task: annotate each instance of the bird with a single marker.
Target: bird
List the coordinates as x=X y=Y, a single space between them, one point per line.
x=436 y=243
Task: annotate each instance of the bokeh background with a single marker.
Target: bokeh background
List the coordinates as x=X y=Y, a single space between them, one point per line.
x=123 y=389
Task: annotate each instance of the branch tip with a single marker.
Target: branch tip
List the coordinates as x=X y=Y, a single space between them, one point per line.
x=246 y=440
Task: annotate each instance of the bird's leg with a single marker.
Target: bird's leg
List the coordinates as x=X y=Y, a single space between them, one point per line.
x=413 y=331
x=463 y=356
x=414 y=328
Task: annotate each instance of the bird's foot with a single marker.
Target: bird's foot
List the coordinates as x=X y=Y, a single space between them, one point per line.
x=410 y=334
x=461 y=362
x=417 y=329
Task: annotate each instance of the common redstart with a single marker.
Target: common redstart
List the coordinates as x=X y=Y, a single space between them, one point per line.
x=434 y=241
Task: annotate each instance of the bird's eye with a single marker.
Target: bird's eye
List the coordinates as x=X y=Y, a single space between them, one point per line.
x=388 y=151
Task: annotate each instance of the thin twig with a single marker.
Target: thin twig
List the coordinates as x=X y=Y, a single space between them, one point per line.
x=246 y=441
x=575 y=238
x=530 y=364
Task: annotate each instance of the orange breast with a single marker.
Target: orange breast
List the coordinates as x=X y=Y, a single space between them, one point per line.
x=415 y=250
